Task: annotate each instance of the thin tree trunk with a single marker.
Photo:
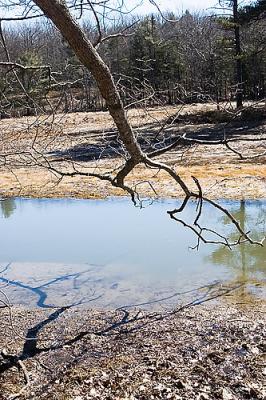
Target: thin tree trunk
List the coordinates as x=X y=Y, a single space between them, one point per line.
x=238 y=53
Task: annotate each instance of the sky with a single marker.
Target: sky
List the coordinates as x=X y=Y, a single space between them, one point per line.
x=179 y=6
x=143 y=7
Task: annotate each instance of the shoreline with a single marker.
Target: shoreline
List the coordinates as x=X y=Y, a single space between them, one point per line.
x=201 y=352
x=253 y=188
x=121 y=197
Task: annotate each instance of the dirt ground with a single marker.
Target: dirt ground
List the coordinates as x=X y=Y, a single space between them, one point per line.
x=202 y=352
x=195 y=352
x=45 y=140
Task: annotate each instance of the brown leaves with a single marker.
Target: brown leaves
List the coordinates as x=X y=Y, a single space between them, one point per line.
x=202 y=354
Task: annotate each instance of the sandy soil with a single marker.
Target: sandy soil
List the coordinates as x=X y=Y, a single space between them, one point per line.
x=221 y=173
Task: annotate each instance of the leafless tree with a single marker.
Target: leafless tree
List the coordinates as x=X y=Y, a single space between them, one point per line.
x=65 y=15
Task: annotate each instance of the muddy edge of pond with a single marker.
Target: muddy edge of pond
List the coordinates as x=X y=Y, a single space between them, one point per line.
x=202 y=352
x=218 y=182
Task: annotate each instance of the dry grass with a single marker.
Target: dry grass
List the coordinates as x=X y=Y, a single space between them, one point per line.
x=220 y=172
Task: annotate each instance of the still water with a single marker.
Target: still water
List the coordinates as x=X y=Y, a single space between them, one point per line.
x=108 y=253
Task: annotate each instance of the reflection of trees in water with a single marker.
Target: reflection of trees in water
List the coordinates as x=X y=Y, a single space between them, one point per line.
x=245 y=260
x=8 y=206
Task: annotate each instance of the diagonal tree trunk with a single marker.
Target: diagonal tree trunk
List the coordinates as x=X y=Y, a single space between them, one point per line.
x=57 y=11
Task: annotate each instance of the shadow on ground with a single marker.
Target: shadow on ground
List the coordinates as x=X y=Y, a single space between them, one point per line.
x=152 y=137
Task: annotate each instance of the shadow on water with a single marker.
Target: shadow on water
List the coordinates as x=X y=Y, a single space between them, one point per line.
x=41 y=291
x=76 y=252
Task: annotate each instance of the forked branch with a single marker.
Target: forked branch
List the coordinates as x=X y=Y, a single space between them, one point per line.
x=58 y=12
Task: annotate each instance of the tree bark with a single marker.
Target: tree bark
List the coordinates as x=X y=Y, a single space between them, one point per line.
x=57 y=11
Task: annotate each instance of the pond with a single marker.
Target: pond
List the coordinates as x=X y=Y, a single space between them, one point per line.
x=108 y=253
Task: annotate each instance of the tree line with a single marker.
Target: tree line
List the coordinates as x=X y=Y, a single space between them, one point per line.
x=155 y=60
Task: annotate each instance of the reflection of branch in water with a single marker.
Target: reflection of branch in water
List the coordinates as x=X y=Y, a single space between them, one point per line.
x=39 y=290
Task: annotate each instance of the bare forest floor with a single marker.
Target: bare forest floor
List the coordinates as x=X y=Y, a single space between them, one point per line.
x=88 y=142
x=199 y=353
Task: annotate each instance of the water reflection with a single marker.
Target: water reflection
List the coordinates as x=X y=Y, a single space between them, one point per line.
x=8 y=207
x=108 y=253
x=248 y=262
